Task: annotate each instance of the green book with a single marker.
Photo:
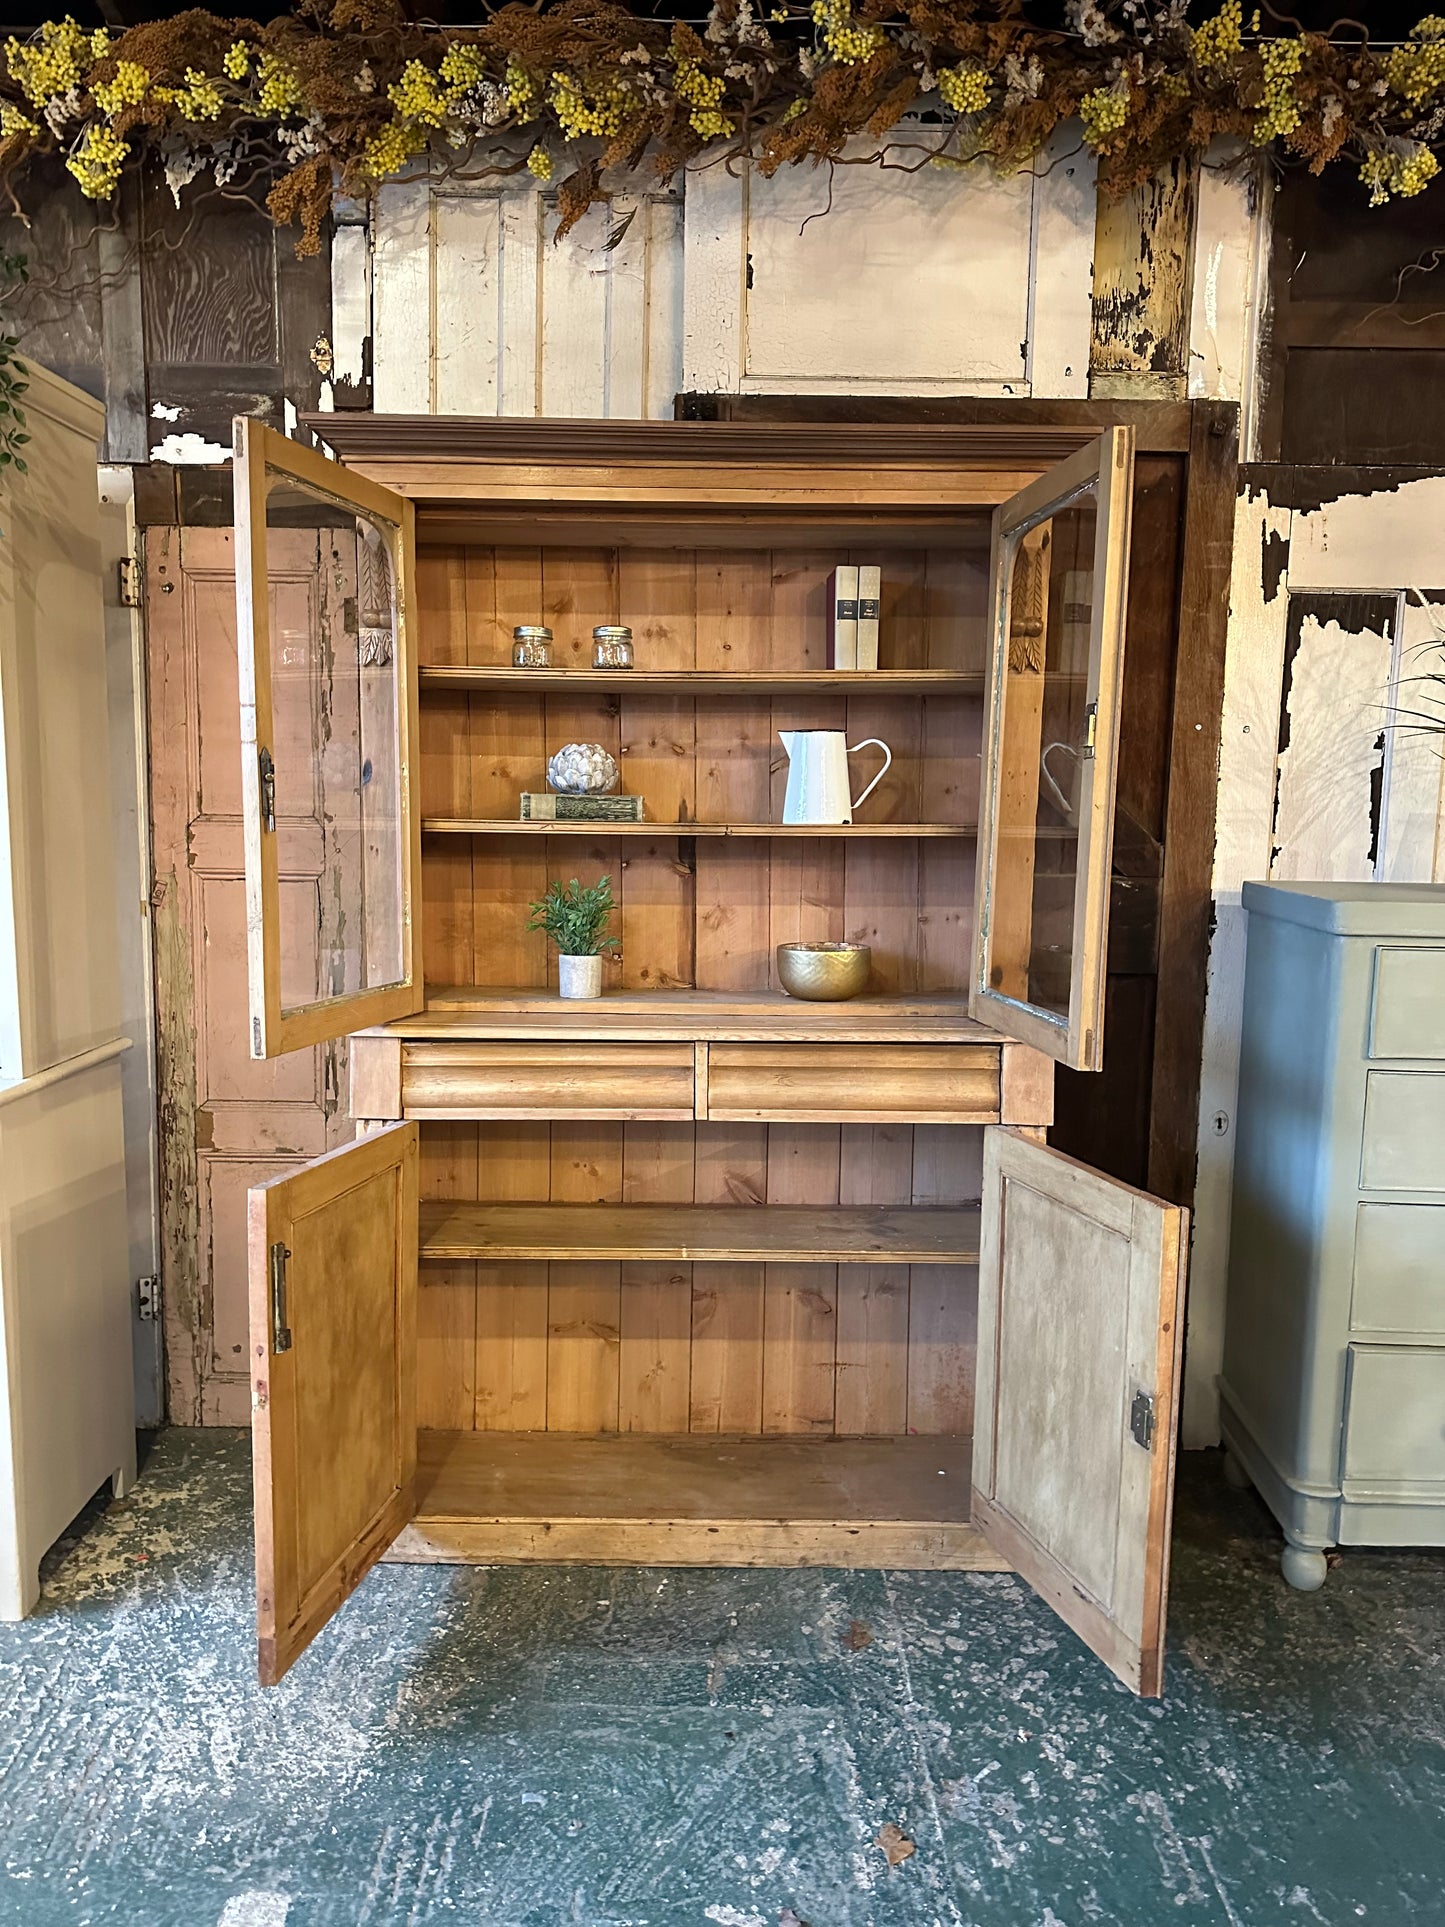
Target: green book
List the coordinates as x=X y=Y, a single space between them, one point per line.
x=546 y=806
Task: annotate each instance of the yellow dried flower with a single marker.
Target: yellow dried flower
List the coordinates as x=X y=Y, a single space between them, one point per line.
x=701 y=93
x=390 y=149
x=464 y=67
x=416 y=95
x=128 y=89
x=521 y=92
x=237 y=63
x=13 y=122
x=97 y=161
x=849 y=44
x=539 y=162
x=1279 y=111
x=49 y=65
x=200 y=98
x=1103 y=113
x=1405 y=173
x=1219 y=39
x=281 y=93
x=601 y=115
x=964 y=89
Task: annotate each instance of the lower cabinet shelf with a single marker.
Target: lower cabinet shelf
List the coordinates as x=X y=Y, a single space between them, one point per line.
x=516 y=1498
x=702 y=1234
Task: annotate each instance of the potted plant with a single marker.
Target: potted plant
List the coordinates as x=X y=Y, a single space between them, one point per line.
x=575 y=917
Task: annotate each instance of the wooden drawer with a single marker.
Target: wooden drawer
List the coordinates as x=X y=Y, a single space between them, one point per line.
x=864 y=1083
x=1407 y=1008
x=486 y=1080
x=1398 y=1284
x=1403 y=1144
x=1394 y=1436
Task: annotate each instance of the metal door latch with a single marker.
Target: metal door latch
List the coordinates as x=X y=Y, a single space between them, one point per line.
x=1091 y=730
x=268 y=788
x=1141 y=1420
x=280 y=1330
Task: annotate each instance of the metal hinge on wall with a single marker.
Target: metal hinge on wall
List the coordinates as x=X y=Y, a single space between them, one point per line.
x=280 y=1330
x=148 y=1299
x=1141 y=1420
x=128 y=582
x=1091 y=731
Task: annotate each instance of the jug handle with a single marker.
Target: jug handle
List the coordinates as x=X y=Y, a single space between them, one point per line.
x=872 y=742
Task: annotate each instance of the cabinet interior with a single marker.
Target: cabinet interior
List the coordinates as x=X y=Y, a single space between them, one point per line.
x=746 y=1386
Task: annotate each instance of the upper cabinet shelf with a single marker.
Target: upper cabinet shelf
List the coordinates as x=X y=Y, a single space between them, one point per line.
x=595 y=828
x=708 y=682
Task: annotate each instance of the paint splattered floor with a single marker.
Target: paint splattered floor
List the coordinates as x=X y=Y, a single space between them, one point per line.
x=528 y=1748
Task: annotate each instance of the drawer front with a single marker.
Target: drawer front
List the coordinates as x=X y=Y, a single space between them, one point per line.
x=1407 y=1009
x=1399 y=1268
x=486 y=1080
x=882 y=1083
x=1404 y=1137
x=1395 y=1423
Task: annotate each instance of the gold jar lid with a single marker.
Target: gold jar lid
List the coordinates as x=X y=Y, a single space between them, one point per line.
x=531 y=632
x=611 y=632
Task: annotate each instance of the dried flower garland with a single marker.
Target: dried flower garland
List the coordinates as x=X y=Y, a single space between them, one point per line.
x=344 y=93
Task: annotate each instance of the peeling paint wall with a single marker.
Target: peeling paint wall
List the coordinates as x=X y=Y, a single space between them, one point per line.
x=1323 y=773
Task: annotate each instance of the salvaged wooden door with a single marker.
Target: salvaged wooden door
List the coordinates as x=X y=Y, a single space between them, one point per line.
x=1058 y=573
x=1080 y=1318
x=333 y=1262
x=225 y=1122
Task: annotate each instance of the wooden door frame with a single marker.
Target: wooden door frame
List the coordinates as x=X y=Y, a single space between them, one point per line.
x=1206 y=435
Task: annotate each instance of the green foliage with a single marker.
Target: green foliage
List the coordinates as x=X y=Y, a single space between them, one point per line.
x=575 y=916
x=13 y=274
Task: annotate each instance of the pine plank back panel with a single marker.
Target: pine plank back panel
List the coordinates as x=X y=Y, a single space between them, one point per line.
x=671 y=1348
x=226 y=1122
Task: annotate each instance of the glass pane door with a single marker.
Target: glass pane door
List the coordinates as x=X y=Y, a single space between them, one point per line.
x=323 y=576
x=1060 y=558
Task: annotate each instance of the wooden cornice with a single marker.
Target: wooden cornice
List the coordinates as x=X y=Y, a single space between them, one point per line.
x=1001 y=441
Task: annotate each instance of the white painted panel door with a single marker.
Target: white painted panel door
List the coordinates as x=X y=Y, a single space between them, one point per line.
x=1080 y=1292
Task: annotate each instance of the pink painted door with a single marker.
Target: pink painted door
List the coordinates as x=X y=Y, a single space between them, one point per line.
x=227 y=1121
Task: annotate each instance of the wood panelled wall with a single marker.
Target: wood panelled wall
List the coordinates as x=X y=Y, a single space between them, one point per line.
x=673 y=1348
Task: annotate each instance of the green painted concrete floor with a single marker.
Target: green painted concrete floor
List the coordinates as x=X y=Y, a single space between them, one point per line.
x=532 y=1747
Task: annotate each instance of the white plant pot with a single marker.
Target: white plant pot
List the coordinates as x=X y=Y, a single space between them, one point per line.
x=579 y=976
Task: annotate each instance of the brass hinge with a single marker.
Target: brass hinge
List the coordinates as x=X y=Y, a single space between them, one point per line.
x=128 y=582
x=280 y=1330
x=268 y=788
x=1091 y=730
x=1141 y=1420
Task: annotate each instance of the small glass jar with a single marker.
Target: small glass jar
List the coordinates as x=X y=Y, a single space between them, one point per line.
x=531 y=646
x=611 y=647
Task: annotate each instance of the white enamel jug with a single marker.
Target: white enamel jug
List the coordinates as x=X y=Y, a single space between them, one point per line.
x=818 y=789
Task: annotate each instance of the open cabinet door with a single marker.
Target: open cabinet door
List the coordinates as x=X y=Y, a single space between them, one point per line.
x=333 y=1258
x=328 y=745
x=1058 y=575
x=1080 y=1308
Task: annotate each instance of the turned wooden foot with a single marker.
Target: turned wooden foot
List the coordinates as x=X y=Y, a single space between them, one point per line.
x=1303 y=1568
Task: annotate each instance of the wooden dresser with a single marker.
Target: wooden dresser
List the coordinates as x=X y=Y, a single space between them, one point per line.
x=1333 y=1390
x=696 y=1273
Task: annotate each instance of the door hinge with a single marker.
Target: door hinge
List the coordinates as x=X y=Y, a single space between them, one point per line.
x=268 y=788
x=1091 y=730
x=128 y=574
x=148 y=1299
x=280 y=1330
x=1141 y=1420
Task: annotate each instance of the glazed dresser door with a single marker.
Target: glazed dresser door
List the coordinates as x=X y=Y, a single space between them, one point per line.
x=1058 y=574
x=328 y=744
x=1080 y=1310
x=333 y=1263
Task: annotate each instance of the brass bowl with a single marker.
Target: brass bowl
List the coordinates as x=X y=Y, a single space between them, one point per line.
x=824 y=973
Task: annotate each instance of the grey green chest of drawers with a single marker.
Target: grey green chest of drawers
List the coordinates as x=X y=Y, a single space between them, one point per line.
x=1333 y=1390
